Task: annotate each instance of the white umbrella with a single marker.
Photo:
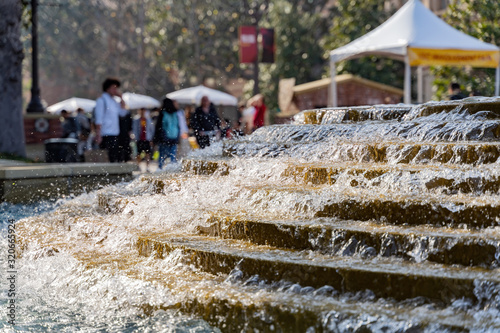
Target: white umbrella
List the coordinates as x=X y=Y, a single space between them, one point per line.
x=193 y=95
x=137 y=101
x=71 y=104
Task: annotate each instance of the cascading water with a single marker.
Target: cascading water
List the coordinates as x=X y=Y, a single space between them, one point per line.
x=371 y=219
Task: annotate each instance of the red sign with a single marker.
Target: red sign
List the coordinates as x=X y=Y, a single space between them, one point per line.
x=248 y=44
x=267 y=45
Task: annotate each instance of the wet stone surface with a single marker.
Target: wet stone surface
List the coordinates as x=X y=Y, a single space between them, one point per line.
x=364 y=219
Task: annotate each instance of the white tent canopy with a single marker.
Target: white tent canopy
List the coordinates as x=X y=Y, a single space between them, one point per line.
x=193 y=95
x=138 y=101
x=417 y=36
x=72 y=104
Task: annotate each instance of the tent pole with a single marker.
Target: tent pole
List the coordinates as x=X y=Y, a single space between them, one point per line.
x=407 y=84
x=420 y=85
x=497 y=81
x=333 y=84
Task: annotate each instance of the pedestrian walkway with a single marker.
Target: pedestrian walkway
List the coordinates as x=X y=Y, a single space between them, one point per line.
x=22 y=182
x=142 y=167
x=6 y=163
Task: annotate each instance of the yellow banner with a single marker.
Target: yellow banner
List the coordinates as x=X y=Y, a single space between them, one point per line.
x=452 y=57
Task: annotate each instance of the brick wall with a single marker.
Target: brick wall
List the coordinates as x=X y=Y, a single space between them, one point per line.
x=350 y=93
x=312 y=99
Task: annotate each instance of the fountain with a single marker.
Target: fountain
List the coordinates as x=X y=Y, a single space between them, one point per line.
x=362 y=219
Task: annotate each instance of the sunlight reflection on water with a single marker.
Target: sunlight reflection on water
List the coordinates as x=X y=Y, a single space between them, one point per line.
x=44 y=303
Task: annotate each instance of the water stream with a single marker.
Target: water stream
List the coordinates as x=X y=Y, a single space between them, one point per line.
x=81 y=270
x=55 y=293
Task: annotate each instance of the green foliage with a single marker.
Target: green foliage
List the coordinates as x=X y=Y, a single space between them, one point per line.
x=299 y=38
x=153 y=46
x=197 y=40
x=157 y=46
x=353 y=19
x=300 y=29
x=26 y=14
x=479 y=19
x=83 y=42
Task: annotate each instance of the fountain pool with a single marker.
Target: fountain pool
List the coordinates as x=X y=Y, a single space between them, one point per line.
x=347 y=220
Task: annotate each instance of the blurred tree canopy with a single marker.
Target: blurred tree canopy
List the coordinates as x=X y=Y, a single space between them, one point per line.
x=300 y=29
x=158 y=46
x=83 y=42
x=153 y=46
x=353 y=19
x=479 y=19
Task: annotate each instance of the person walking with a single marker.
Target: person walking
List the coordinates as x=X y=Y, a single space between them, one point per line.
x=84 y=125
x=107 y=118
x=124 y=149
x=143 y=130
x=247 y=116
x=167 y=133
x=205 y=122
x=260 y=111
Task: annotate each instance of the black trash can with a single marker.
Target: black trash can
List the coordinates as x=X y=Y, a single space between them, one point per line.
x=61 y=150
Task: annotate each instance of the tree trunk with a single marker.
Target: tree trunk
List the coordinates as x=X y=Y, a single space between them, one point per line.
x=11 y=57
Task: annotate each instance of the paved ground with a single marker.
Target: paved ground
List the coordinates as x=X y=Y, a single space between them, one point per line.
x=5 y=163
x=143 y=168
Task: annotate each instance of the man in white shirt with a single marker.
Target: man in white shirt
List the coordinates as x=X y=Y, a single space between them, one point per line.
x=107 y=118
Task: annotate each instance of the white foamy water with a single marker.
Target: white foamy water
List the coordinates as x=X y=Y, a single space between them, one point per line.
x=80 y=270
x=57 y=293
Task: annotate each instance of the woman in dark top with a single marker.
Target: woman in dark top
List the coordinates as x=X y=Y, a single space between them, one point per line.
x=205 y=122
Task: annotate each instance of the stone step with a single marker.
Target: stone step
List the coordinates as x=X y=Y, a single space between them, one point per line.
x=415 y=211
x=385 y=278
x=490 y=107
x=473 y=105
x=359 y=113
x=29 y=183
x=364 y=239
x=206 y=166
x=387 y=206
x=449 y=180
x=394 y=207
x=233 y=302
x=244 y=307
x=234 y=305
x=472 y=153
x=420 y=130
